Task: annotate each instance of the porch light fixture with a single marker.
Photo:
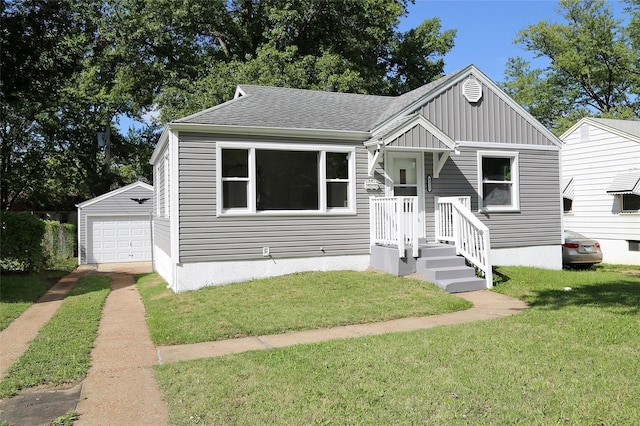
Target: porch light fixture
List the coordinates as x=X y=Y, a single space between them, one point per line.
x=428 y=183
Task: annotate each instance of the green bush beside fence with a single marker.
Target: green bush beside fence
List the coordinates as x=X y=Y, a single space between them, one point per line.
x=28 y=243
x=59 y=242
x=21 y=242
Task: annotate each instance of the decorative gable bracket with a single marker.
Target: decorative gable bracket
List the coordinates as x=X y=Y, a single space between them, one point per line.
x=440 y=144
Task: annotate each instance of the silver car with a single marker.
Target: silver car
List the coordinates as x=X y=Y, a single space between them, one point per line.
x=579 y=250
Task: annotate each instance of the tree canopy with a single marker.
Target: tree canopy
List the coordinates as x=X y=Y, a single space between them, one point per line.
x=70 y=67
x=593 y=65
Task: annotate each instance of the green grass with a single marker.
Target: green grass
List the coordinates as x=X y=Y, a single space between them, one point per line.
x=280 y=304
x=60 y=353
x=572 y=358
x=19 y=291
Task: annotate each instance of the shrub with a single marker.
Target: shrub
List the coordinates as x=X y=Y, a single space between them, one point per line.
x=21 y=242
x=59 y=242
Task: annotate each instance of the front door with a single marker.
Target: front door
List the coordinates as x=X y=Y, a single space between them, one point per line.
x=405 y=172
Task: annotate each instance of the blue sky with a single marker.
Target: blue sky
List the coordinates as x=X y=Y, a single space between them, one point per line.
x=486 y=29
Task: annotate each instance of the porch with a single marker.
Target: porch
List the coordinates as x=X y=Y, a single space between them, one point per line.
x=461 y=246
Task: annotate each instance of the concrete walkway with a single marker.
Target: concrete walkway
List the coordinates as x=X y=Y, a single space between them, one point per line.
x=15 y=339
x=120 y=388
x=486 y=305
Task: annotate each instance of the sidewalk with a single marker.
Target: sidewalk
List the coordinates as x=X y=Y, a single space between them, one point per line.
x=486 y=305
x=120 y=388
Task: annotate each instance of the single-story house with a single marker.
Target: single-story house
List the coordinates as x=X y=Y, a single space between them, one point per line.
x=281 y=180
x=116 y=226
x=601 y=185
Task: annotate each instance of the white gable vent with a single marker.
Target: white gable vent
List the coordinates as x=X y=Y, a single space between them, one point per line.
x=472 y=90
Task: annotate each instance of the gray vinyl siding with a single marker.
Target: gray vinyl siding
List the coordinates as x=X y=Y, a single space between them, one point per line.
x=539 y=220
x=418 y=137
x=116 y=205
x=161 y=234
x=205 y=237
x=489 y=120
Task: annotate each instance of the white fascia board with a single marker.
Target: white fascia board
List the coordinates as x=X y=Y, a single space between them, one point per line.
x=345 y=135
x=114 y=192
x=239 y=93
x=420 y=120
x=502 y=145
x=164 y=138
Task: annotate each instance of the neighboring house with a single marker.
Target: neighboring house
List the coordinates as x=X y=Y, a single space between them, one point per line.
x=601 y=185
x=280 y=180
x=116 y=226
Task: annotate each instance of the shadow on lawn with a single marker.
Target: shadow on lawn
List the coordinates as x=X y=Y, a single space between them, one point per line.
x=622 y=296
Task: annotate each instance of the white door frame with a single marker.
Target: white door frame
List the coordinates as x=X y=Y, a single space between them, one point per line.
x=420 y=177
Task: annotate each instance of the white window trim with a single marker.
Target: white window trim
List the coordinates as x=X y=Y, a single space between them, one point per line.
x=166 y=185
x=322 y=180
x=515 y=182
x=156 y=189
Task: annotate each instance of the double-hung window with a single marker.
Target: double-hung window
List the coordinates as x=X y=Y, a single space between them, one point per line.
x=498 y=181
x=285 y=179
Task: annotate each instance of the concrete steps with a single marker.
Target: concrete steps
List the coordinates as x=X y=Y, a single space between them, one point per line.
x=439 y=264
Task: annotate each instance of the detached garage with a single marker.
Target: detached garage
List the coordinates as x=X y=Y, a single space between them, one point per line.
x=116 y=226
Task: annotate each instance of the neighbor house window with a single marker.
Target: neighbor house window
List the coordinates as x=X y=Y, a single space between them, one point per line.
x=281 y=178
x=630 y=203
x=498 y=181
x=567 y=205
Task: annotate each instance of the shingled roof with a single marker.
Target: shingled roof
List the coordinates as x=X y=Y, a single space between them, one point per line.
x=278 y=107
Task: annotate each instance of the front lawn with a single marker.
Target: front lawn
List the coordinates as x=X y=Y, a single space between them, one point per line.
x=19 y=291
x=573 y=357
x=293 y=302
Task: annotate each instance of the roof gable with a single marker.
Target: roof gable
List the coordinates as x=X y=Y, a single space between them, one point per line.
x=628 y=129
x=116 y=192
x=413 y=132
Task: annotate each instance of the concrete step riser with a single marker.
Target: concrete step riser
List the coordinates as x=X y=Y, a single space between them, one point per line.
x=461 y=286
x=440 y=251
x=440 y=262
x=439 y=274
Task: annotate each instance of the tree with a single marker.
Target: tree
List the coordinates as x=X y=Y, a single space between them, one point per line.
x=41 y=46
x=72 y=66
x=593 y=67
x=350 y=44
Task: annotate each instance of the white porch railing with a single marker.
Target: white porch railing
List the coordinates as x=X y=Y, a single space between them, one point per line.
x=394 y=221
x=455 y=223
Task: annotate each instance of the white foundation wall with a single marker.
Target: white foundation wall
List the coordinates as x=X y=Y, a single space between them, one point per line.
x=162 y=265
x=545 y=257
x=617 y=252
x=191 y=276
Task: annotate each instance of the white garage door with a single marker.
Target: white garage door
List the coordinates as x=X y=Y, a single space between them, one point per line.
x=119 y=239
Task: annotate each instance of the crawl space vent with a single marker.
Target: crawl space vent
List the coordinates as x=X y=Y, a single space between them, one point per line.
x=472 y=90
